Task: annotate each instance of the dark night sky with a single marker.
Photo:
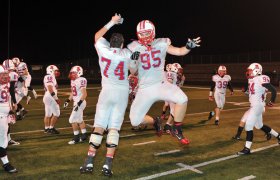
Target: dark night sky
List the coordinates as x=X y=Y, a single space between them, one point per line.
x=61 y=30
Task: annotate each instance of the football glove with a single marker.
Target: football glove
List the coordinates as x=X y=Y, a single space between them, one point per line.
x=192 y=43
x=269 y=104
x=135 y=55
x=211 y=98
x=76 y=107
x=66 y=103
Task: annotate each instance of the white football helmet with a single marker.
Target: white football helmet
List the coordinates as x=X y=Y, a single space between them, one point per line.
x=75 y=72
x=222 y=70
x=146 y=32
x=53 y=70
x=255 y=69
x=168 y=67
x=22 y=69
x=4 y=76
x=16 y=61
x=9 y=65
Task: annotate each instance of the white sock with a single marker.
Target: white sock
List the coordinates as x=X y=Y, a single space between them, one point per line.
x=5 y=159
x=9 y=137
x=47 y=127
x=76 y=132
x=84 y=131
x=248 y=144
x=51 y=127
x=274 y=133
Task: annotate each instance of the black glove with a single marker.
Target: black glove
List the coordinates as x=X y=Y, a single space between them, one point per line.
x=135 y=55
x=78 y=105
x=192 y=43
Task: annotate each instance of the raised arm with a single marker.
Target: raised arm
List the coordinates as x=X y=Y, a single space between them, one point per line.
x=181 y=51
x=116 y=19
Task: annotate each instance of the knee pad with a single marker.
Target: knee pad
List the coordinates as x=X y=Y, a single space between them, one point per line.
x=249 y=136
x=112 y=139
x=3 y=152
x=95 y=140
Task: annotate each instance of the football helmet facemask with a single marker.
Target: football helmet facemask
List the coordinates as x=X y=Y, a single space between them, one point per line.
x=222 y=70
x=75 y=72
x=145 y=32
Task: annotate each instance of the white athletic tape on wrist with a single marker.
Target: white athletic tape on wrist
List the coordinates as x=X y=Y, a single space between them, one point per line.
x=211 y=93
x=109 y=25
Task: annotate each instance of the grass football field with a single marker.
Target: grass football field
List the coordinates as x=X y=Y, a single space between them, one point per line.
x=143 y=155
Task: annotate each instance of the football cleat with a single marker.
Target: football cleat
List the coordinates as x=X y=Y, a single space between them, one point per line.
x=244 y=151
x=179 y=136
x=278 y=137
x=236 y=137
x=86 y=169
x=23 y=113
x=211 y=114
x=13 y=143
x=106 y=171
x=19 y=117
x=9 y=168
x=167 y=128
x=268 y=136
x=157 y=126
x=216 y=122
x=53 y=131
x=46 y=130
x=83 y=137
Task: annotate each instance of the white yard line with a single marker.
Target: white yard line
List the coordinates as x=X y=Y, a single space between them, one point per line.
x=247 y=177
x=168 y=152
x=143 y=143
x=187 y=167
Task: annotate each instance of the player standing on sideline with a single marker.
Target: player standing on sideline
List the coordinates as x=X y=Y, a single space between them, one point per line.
x=257 y=86
x=114 y=63
x=50 y=99
x=9 y=65
x=220 y=82
x=78 y=95
x=5 y=119
x=152 y=84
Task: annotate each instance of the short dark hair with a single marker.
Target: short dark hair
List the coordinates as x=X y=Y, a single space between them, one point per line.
x=116 y=40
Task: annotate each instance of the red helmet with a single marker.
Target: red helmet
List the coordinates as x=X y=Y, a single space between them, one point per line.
x=146 y=32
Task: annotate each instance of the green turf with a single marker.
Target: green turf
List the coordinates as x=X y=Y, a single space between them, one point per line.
x=43 y=156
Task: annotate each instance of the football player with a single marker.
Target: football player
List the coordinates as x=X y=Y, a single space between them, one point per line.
x=114 y=62
x=78 y=95
x=165 y=106
x=220 y=82
x=50 y=99
x=257 y=86
x=174 y=76
x=10 y=67
x=5 y=119
x=152 y=84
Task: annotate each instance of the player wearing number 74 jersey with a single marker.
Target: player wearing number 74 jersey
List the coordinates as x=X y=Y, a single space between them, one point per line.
x=114 y=63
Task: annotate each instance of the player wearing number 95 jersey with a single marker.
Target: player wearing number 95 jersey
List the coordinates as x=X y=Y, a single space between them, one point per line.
x=152 y=82
x=114 y=62
x=220 y=82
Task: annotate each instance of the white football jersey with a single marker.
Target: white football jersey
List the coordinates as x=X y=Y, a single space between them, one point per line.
x=171 y=77
x=50 y=80
x=13 y=76
x=5 y=96
x=113 y=62
x=257 y=93
x=151 y=62
x=221 y=83
x=76 y=86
